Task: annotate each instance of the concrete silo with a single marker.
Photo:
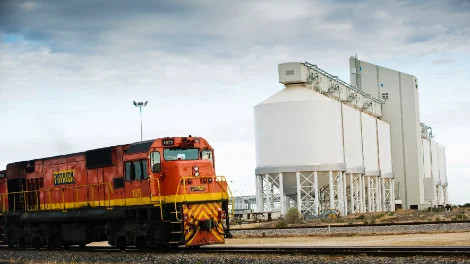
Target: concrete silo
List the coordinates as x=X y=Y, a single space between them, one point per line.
x=315 y=140
x=415 y=156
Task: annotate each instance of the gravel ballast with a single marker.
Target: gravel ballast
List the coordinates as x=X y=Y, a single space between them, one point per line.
x=56 y=257
x=359 y=230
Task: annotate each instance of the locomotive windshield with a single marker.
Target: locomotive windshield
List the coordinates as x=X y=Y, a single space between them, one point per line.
x=180 y=154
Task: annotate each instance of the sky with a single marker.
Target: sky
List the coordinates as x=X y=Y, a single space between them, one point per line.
x=69 y=70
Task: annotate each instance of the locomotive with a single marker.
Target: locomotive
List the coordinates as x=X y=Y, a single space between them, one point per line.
x=149 y=194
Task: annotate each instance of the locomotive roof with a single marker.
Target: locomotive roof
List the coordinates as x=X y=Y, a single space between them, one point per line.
x=135 y=147
x=139 y=147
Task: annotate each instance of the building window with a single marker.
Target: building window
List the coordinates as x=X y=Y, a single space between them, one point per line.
x=385 y=96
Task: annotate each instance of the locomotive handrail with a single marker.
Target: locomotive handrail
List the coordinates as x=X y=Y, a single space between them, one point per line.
x=229 y=191
x=77 y=187
x=217 y=179
x=47 y=194
x=159 y=197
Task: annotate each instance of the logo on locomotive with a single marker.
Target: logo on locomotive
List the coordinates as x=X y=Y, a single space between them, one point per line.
x=197 y=188
x=64 y=177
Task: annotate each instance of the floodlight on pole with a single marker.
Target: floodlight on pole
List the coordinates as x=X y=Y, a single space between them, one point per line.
x=140 y=105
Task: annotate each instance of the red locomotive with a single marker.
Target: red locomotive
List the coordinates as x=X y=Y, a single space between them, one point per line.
x=154 y=193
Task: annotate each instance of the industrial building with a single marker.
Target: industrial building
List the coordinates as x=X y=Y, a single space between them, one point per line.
x=323 y=144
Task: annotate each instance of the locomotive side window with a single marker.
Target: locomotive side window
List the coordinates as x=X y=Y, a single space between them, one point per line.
x=145 y=173
x=129 y=171
x=137 y=171
x=155 y=161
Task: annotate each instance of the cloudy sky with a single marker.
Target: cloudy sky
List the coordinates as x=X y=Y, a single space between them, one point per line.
x=69 y=70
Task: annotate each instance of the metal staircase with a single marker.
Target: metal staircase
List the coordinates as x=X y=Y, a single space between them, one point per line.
x=176 y=227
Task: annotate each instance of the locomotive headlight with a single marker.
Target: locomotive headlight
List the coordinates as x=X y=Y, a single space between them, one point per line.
x=210 y=180
x=196 y=173
x=196 y=168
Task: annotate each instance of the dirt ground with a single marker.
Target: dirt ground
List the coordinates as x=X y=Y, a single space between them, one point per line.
x=401 y=216
x=436 y=239
x=433 y=239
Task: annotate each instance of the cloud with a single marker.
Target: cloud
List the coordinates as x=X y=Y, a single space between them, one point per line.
x=69 y=70
x=443 y=61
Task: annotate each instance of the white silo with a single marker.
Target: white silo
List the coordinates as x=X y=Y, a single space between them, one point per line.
x=299 y=147
x=442 y=175
x=371 y=162
x=353 y=157
x=435 y=173
x=308 y=137
x=385 y=164
x=428 y=182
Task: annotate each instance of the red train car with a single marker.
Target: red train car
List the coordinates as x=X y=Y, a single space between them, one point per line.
x=161 y=192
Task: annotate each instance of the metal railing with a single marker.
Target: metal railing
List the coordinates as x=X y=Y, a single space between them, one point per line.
x=46 y=199
x=215 y=179
x=159 y=197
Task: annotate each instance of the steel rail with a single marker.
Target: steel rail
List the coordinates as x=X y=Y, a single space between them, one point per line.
x=353 y=225
x=283 y=250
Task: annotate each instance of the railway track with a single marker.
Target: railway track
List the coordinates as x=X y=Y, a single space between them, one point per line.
x=457 y=251
x=354 y=225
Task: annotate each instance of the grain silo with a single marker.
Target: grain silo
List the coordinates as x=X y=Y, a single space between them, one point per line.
x=385 y=163
x=315 y=140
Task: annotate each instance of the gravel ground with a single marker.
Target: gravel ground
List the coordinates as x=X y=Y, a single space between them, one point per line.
x=357 y=230
x=57 y=257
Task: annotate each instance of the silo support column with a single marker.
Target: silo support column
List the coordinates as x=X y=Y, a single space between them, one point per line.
x=369 y=206
x=315 y=184
x=332 y=191
x=340 y=193
x=268 y=193
x=362 y=194
x=299 y=192
x=384 y=207
x=345 y=196
x=281 y=194
x=392 y=196
x=378 y=207
x=351 y=193
x=259 y=193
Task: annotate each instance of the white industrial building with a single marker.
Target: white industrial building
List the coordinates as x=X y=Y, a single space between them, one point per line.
x=324 y=144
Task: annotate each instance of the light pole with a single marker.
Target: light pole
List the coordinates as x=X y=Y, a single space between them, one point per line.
x=139 y=105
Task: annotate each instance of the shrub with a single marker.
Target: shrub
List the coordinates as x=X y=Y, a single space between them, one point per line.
x=281 y=223
x=293 y=216
x=391 y=214
x=462 y=217
x=361 y=217
x=438 y=219
x=379 y=216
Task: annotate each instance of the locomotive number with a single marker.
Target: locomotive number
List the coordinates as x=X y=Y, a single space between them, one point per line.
x=137 y=193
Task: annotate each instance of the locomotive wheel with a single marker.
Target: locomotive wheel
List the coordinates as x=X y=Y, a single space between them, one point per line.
x=37 y=243
x=21 y=242
x=121 y=243
x=140 y=242
x=51 y=242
